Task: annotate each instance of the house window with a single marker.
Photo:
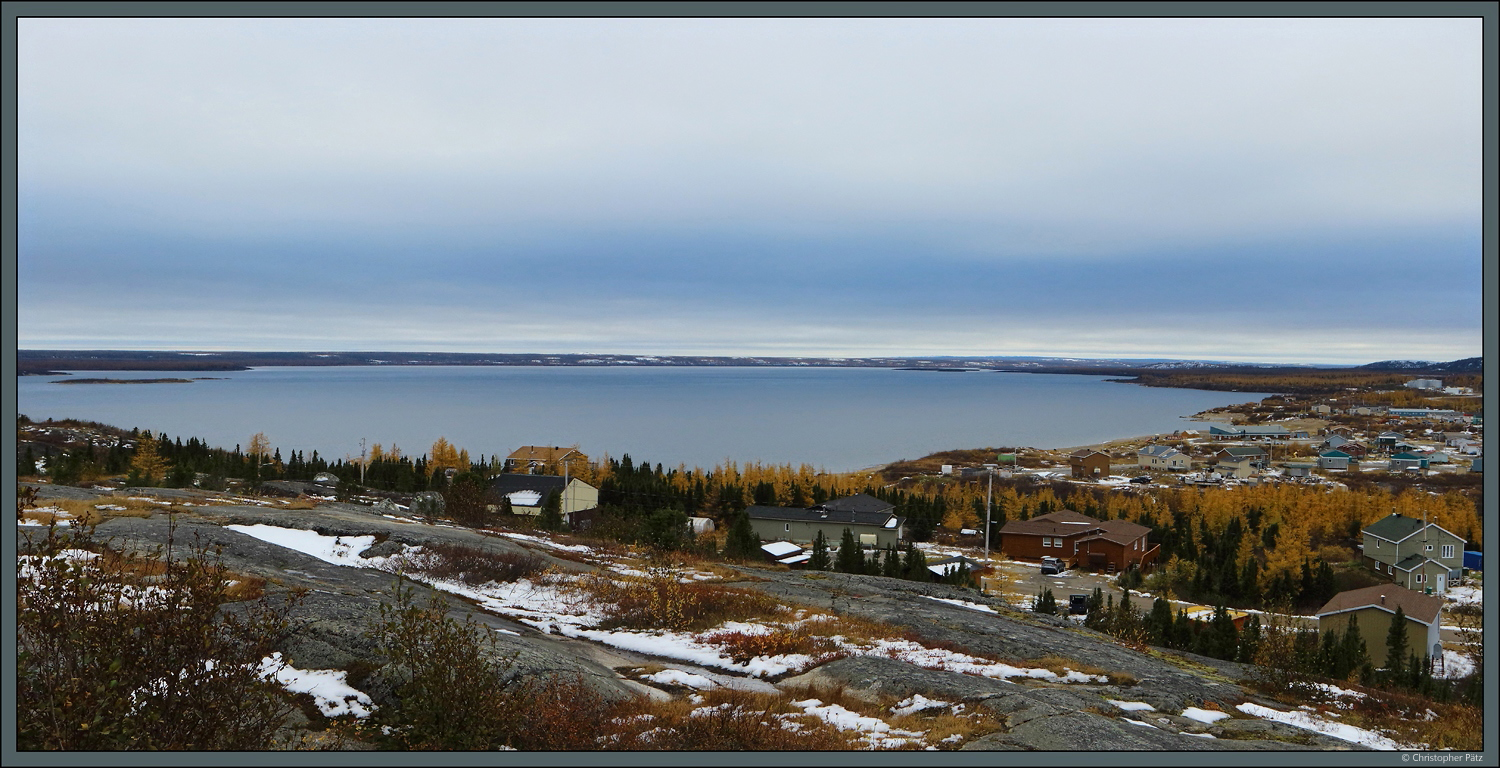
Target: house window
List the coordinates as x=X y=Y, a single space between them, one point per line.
x=1046 y=541
x=1429 y=547
x=787 y=526
x=1447 y=550
x=1377 y=543
x=1421 y=577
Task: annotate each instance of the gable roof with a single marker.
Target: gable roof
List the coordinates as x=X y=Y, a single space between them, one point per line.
x=541 y=453
x=1118 y=531
x=1160 y=451
x=1242 y=451
x=860 y=502
x=1414 y=561
x=1396 y=528
x=1334 y=455
x=825 y=516
x=1084 y=453
x=1064 y=522
x=1386 y=597
x=543 y=484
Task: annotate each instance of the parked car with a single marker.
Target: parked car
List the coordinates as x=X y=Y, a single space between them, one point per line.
x=1141 y=479
x=1052 y=566
x=1078 y=605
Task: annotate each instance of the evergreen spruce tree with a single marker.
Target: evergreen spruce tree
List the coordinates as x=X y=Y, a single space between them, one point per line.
x=891 y=564
x=819 y=560
x=1330 y=656
x=1249 y=640
x=1353 y=656
x=850 y=558
x=915 y=566
x=1396 y=646
x=741 y=543
x=1095 y=618
x=1183 y=631
x=1045 y=603
x=550 y=518
x=1159 y=623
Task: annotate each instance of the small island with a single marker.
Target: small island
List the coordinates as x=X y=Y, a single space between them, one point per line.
x=123 y=381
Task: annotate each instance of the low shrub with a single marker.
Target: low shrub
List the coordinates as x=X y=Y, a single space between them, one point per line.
x=744 y=646
x=722 y=720
x=474 y=565
x=117 y=652
x=661 y=600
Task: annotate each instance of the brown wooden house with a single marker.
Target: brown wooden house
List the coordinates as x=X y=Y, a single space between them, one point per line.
x=1118 y=545
x=1089 y=463
x=1079 y=540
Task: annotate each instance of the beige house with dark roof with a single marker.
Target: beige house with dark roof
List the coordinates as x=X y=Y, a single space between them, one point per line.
x=1374 y=608
x=545 y=459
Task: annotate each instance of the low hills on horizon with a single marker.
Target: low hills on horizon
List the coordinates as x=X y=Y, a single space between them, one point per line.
x=52 y=362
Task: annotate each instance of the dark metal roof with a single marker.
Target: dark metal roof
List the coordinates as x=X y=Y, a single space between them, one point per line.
x=862 y=502
x=1063 y=522
x=874 y=519
x=543 y=484
x=1394 y=527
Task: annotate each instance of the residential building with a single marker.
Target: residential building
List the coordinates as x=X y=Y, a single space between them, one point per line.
x=1253 y=431
x=1163 y=457
x=1237 y=453
x=859 y=502
x=1374 y=608
x=1405 y=461
x=1396 y=546
x=1079 y=539
x=545 y=459
x=1333 y=460
x=1089 y=464
x=527 y=493
x=1424 y=384
x=794 y=524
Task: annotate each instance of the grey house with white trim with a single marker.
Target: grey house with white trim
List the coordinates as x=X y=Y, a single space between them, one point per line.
x=1399 y=547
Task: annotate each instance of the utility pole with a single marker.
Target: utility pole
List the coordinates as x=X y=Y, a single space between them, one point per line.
x=361 y=461
x=989 y=494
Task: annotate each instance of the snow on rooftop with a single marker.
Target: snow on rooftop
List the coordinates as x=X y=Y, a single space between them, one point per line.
x=524 y=498
x=780 y=548
x=891 y=523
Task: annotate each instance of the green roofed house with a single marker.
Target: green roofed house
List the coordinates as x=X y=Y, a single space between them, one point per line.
x=1375 y=607
x=1333 y=460
x=1424 y=557
x=1404 y=461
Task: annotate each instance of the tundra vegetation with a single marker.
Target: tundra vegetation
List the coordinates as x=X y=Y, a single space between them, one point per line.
x=1282 y=548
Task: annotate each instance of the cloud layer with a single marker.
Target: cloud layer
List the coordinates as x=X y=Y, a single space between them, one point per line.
x=1232 y=189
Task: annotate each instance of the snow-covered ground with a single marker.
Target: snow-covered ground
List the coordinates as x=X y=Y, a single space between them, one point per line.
x=1467 y=594
x=1311 y=722
x=333 y=694
x=1209 y=716
x=962 y=603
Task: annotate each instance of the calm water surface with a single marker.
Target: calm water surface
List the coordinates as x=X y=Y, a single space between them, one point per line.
x=839 y=419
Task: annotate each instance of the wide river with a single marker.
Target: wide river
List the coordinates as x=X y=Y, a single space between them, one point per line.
x=836 y=419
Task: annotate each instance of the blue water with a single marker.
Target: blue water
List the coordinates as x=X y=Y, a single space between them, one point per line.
x=836 y=419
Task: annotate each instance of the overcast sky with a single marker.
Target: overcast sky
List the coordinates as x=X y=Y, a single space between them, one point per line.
x=1263 y=190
